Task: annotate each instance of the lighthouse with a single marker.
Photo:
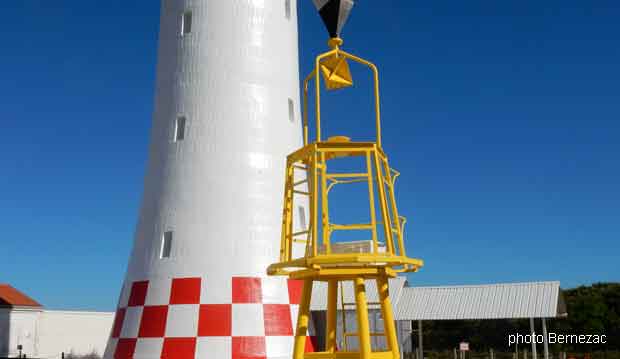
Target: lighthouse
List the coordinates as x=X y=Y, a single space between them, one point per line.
x=226 y=115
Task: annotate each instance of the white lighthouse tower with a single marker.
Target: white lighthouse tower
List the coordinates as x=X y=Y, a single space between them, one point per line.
x=226 y=115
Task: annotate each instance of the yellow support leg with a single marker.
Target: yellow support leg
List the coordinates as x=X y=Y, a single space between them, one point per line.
x=363 y=327
x=388 y=317
x=332 y=312
x=302 y=321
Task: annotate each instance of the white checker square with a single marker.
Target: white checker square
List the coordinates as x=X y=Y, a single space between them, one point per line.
x=148 y=348
x=182 y=321
x=131 y=323
x=216 y=290
x=123 y=301
x=214 y=347
x=248 y=320
x=294 y=313
x=110 y=349
x=159 y=292
x=275 y=290
x=279 y=347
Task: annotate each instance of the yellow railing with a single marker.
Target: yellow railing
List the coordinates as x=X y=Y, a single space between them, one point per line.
x=336 y=51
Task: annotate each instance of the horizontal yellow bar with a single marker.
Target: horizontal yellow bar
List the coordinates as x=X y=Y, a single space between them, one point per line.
x=341 y=273
x=344 y=227
x=349 y=258
x=302 y=192
x=337 y=146
x=346 y=264
x=346 y=175
x=300 y=182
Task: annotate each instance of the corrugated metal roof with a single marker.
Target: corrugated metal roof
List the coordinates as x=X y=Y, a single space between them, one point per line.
x=319 y=294
x=494 y=301
x=11 y=297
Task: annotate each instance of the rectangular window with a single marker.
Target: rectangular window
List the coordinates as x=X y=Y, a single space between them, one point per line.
x=166 y=245
x=179 y=129
x=302 y=218
x=287 y=8
x=186 y=23
x=291 y=110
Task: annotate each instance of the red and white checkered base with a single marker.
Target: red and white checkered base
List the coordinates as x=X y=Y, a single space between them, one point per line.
x=187 y=318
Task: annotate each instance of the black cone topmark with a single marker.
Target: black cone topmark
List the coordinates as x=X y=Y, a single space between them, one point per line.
x=334 y=14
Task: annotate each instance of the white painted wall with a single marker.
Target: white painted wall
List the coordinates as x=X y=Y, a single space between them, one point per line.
x=77 y=332
x=48 y=333
x=18 y=326
x=221 y=188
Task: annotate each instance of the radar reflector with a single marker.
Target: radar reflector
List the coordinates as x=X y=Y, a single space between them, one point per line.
x=336 y=72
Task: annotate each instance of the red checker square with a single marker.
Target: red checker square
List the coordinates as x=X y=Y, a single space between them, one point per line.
x=277 y=319
x=248 y=348
x=125 y=348
x=215 y=320
x=295 y=288
x=118 y=322
x=310 y=344
x=153 y=322
x=185 y=291
x=138 y=293
x=246 y=290
x=179 y=348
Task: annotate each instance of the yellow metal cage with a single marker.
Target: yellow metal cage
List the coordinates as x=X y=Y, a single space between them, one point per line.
x=309 y=253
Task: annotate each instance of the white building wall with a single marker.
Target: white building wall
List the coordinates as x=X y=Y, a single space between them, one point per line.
x=72 y=332
x=18 y=326
x=46 y=334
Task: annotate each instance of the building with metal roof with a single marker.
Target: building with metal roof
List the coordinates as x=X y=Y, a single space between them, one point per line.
x=491 y=301
x=464 y=302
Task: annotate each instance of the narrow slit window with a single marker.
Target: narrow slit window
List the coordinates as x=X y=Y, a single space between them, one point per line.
x=186 y=23
x=179 y=129
x=287 y=9
x=291 y=110
x=302 y=218
x=166 y=245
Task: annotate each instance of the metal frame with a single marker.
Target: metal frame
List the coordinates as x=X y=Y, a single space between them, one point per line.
x=321 y=261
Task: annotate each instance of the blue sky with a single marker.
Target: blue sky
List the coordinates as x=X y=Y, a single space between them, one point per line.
x=503 y=118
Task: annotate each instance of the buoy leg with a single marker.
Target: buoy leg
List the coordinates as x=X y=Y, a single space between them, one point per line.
x=388 y=317
x=302 y=321
x=363 y=327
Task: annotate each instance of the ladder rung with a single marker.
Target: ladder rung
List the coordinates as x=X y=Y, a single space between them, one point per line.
x=301 y=232
x=347 y=175
x=342 y=227
x=300 y=241
x=300 y=182
x=302 y=192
